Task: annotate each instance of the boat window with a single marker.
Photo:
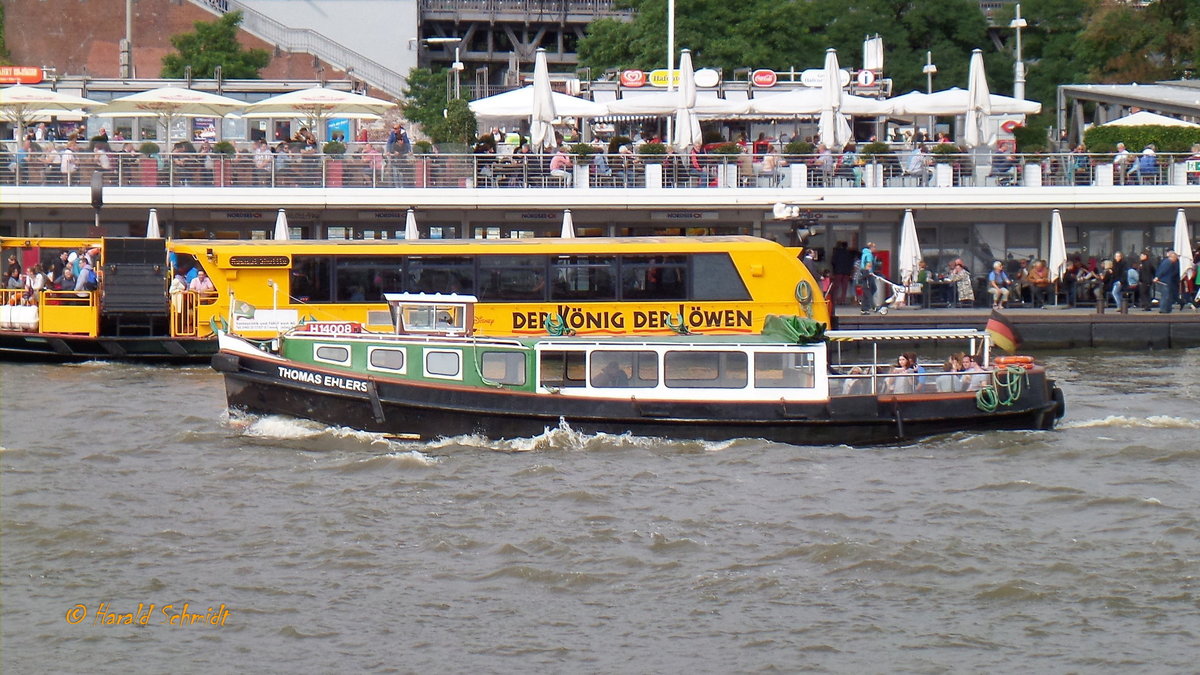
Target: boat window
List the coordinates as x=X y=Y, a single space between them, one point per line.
x=311 y=278
x=443 y=363
x=790 y=370
x=660 y=277
x=366 y=278
x=624 y=369
x=332 y=353
x=382 y=358
x=512 y=277
x=583 y=277
x=440 y=274
x=561 y=369
x=714 y=277
x=503 y=367
x=708 y=369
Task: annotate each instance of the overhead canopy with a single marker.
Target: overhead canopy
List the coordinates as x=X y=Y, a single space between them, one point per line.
x=955 y=101
x=174 y=101
x=21 y=105
x=1146 y=118
x=519 y=103
x=667 y=102
x=808 y=102
x=320 y=102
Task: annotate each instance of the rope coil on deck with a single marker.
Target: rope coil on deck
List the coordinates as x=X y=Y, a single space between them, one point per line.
x=1005 y=389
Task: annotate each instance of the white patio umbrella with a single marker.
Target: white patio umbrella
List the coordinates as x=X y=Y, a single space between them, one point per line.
x=541 y=116
x=410 y=226
x=1183 y=245
x=281 y=226
x=1058 y=248
x=954 y=101
x=667 y=102
x=910 y=250
x=568 y=225
x=687 y=126
x=1144 y=118
x=20 y=104
x=152 y=231
x=833 y=127
x=808 y=102
x=518 y=103
x=979 y=104
x=170 y=103
x=318 y=104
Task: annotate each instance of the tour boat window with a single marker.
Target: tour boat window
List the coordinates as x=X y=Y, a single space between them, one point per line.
x=339 y=354
x=311 y=278
x=512 y=277
x=561 y=369
x=366 y=279
x=439 y=274
x=706 y=369
x=624 y=369
x=384 y=358
x=503 y=367
x=787 y=370
x=443 y=363
x=714 y=277
x=660 y=277
x=583 y=277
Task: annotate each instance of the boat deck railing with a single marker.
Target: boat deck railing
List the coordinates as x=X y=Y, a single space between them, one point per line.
x=365 y=166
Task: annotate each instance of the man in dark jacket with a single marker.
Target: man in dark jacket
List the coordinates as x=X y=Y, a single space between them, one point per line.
x=1168 y=276
x=1145 y=280
x=1120 y=267
x=842 y=264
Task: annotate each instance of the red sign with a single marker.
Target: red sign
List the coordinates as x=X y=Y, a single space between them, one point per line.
x=20 y=74
x=633 y=78
x=333 y=327
x=763 y=78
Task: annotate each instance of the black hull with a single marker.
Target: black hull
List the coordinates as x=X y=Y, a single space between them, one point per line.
x=20 y=346
x=423 y=411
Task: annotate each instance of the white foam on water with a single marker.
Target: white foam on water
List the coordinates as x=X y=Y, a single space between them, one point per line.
x=563 y=438
x=1127 y=422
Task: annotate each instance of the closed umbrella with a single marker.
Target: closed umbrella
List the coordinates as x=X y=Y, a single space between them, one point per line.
x=19 y=104
x=541 y=118
x=834 y=128
x=152 y=231
x=1183 y=245
x=910 y=250
x=979 y=103
x=169 y=104
x=1058 y=248
x=687 y=126
x=281 y=226
x=568 y=225
x=318 y=104
x=410 y=226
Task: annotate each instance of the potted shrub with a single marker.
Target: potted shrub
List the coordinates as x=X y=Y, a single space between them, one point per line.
x=653 y=155
x=222 y=166
x=872 y=155
x=944 y=157
x=582 y=151
x=148 y=164
x=727 y=149
x=334 y=152
x=614 y=146
x=422 y=147
x=730 y=166
x=798 y=148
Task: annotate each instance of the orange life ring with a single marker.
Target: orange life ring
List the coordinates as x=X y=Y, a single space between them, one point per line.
x=1025 y=361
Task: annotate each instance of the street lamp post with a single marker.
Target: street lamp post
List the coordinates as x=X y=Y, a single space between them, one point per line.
x=457 y=67
x=930 y=70
x=1018 y=66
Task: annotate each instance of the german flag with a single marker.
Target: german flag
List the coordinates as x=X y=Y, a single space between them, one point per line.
x=1004 y=334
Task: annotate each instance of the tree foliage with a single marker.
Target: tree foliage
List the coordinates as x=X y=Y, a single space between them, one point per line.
x=214 y=43
x=5 y=57
x=424 y=97
x=458 y=126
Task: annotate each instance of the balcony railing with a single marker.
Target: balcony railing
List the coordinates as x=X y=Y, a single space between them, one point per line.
x=362 y=168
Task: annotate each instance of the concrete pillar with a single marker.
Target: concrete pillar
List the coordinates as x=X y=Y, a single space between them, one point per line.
x=654 y=176
x=799 y=175
x=1104 y=175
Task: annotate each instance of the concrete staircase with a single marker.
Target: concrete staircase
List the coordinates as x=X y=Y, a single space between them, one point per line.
x=308 y=41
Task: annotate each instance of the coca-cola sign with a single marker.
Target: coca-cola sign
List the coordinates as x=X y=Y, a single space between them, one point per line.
x=633 y=78
x=763 y=78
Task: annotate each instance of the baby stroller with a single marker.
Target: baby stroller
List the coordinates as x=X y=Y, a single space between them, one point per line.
x=897 y=295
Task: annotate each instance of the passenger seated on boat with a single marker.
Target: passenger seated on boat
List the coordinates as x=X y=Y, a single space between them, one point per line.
x=951 y=379
x=903 y=379
x=975 y=376
x=856 y=384
x=612 y=375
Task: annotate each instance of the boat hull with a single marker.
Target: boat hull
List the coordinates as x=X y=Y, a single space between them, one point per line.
x=419 y=410
x=26 y=346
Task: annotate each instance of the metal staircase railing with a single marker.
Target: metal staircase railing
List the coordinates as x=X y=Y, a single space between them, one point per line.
x=308 y=41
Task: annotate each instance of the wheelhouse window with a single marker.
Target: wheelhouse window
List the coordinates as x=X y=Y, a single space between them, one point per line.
x=503 y=367
x=624 y=369
x=440 y=274
x=512 y=277
x=561 y=369
x=443 y=363
x=705 y=369
x=715 y=277
x=793 y=370
x=386 y=358
x=662 y=277
x=339 y=354
x=583 y=277
x=311 y=279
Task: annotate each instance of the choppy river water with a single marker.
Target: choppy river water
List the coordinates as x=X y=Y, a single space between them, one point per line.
x=328 y=550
